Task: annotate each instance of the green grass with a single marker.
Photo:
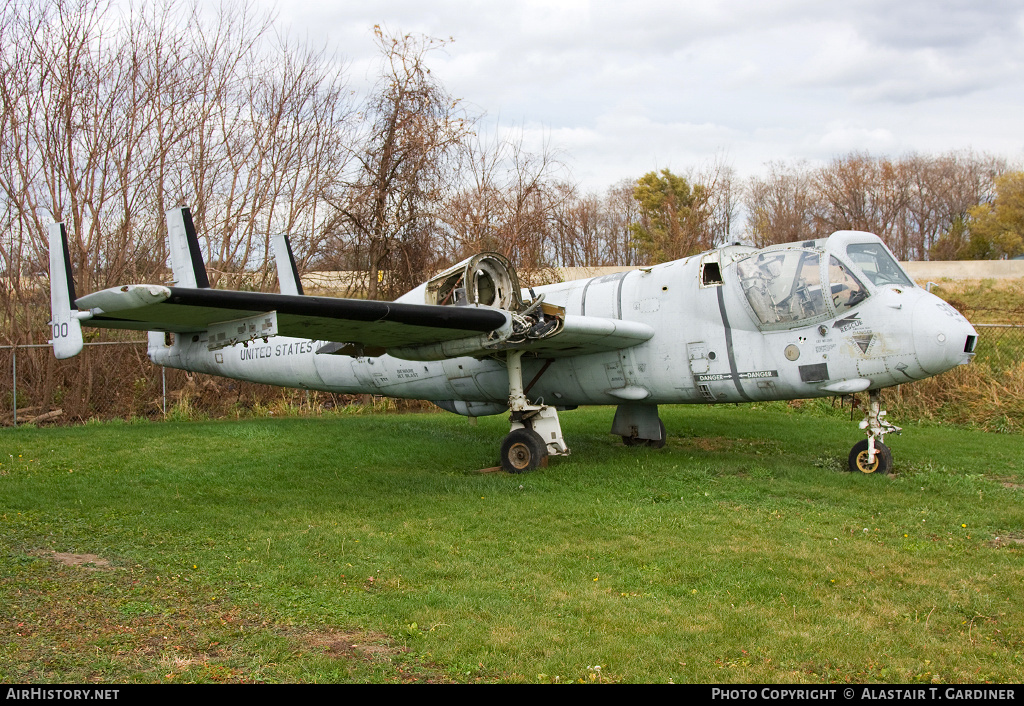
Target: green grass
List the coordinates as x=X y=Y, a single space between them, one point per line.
x=263 y=550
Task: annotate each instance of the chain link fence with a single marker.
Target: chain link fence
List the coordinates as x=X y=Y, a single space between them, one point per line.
x=1001 y=346
x=116 y=380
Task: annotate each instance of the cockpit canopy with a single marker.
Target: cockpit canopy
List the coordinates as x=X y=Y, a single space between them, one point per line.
x=800 y=285
x=874 y=260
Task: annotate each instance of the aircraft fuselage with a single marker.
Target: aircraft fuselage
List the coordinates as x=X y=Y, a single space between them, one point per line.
x=731 y=325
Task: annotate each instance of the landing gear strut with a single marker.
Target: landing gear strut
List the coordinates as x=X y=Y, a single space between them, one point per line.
x=871 y=455
x=536 y=432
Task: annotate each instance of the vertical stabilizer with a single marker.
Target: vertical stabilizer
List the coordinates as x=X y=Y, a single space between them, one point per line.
x=183 y=247
x=287 y=273
x=65 y=322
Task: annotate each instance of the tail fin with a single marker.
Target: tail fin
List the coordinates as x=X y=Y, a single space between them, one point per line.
x=287 y=273
x=185 y=254
x=65 y=322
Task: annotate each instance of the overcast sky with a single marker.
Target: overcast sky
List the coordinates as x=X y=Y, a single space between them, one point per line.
x=622 y=88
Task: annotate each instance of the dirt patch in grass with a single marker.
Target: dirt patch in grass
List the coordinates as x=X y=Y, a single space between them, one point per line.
x=710 y=443
x=88 y=561
x=371 y=648
x=721 y=443
x=342 y=643
x=1010 y=539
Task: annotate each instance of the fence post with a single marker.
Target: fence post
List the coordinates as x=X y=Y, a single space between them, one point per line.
x=14 y=383
x=163 y=376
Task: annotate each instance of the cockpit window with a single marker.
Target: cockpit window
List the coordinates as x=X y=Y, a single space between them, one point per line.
x=847 y=291
x=783 y=287
x=877 y=264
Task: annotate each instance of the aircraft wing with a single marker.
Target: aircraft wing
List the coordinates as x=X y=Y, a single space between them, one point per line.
x=413 y=331
x=406 y=330
x=371 y=323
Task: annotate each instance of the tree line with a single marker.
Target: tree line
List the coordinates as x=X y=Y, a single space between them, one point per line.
x=956 y=206
x=112 y=117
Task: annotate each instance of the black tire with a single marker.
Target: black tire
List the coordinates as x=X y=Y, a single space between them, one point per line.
x=651 y=443
x=859 y=458
x=523 y=450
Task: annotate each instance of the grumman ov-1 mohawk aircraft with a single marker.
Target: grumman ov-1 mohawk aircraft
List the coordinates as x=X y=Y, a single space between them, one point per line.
x=827 y=317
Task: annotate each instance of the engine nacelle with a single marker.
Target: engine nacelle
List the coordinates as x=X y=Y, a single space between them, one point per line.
x=484 y=280
x=487 y=279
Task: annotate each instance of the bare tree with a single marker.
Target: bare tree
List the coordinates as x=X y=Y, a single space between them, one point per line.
x=110 y=118
x=859 y=192
x=267 y=142
x=620 y=212
x=780 y=206
x=412 y=130
x=577 y=229
x=508 y=200
x=912 y=202
x=943 y=190
x=721 y=199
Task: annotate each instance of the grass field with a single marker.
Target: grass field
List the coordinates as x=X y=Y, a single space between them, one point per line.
x=368 y=548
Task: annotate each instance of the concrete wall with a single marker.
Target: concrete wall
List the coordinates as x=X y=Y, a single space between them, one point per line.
x=920 y=271
x=965 y=269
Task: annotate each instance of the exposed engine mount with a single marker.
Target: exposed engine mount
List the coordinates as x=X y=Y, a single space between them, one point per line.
x=484 y=280
x=487 y=279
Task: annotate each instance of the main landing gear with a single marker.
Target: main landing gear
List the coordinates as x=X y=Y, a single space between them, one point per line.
x=870 y=455
x=536 y=432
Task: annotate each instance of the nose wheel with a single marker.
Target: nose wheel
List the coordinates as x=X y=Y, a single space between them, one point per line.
x=870 y=455
x=860 y=458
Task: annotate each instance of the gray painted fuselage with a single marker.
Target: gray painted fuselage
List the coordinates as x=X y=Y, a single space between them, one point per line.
x=708 y=347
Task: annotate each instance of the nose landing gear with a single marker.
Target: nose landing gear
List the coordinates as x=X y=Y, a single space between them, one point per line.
x=871 y=455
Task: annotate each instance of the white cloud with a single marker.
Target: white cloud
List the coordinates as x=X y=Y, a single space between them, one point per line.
x=627 y=88
x=840 y=138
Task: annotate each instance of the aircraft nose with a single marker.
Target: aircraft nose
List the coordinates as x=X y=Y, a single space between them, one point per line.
x=943 y=338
